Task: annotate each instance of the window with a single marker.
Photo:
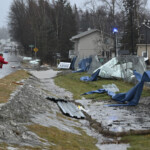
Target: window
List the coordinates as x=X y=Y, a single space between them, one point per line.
x=144 y=54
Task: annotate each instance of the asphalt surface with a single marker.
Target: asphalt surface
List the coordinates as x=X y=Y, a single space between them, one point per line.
x=13 y=64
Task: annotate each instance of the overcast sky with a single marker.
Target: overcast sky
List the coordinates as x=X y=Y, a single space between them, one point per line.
x=5 y=5
x=4 y=9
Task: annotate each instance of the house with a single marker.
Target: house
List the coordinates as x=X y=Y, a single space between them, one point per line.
x=143 y=46
x=93 y=42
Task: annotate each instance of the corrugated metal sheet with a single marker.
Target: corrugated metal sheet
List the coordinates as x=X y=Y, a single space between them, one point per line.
x=70 y=109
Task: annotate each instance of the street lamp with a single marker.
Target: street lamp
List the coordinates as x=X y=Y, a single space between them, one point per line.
x=146 y=23
x=115 y=31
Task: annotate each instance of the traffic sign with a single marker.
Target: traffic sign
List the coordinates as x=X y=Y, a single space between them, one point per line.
x=31 y=46
x=35 y=49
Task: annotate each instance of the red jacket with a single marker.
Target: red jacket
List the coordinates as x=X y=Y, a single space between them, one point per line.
x=2 y=62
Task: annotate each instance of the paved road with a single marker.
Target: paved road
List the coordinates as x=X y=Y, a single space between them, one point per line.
x=14 y=64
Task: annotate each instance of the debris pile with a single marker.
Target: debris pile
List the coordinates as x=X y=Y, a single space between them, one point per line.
x=122 y=67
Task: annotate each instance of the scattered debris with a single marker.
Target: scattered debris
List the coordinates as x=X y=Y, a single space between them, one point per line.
x=72 y=65
x=112 y=69
x=68 y=108
x=81 y=108
x=13 y=67
x=122 y=67
x=18 y=83
x=84 y=65
x=92 y=78
x=111 y=87
x=34 y=62
x=27 y=58
x=64 y=65
x=130 y=98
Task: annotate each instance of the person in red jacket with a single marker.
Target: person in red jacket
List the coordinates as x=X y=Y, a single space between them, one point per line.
x=2 y=61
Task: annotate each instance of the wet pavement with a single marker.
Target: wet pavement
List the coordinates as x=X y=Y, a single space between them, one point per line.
x=13 y=64
x=120 y=120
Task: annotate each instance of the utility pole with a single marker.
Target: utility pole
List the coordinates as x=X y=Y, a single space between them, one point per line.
x=131 y=23
x=115 y=31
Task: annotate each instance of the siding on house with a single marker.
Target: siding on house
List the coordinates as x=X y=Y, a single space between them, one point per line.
x=142 y=48
x=91 y=43
x=88 y=45
x=144 y=39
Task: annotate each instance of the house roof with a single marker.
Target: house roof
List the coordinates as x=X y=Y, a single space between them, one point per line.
x=78 y=36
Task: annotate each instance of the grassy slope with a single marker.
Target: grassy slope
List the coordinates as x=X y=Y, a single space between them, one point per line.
x=61 y=140
x=140 y=142
x=72 y=83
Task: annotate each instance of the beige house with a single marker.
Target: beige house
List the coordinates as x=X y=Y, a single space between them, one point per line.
x=93 y=42
x=143 y=46
x=141 y=50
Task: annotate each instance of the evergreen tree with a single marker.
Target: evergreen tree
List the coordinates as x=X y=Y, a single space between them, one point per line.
x=132 y=22
x=77 y=17
x=18 y=22
x=85 y=21
x=65 y=26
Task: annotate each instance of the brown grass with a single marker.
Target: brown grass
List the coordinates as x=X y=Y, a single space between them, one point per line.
x=61 y=140
x=8 y=84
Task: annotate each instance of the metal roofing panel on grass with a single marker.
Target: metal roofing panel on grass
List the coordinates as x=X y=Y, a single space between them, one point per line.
x=70 y=109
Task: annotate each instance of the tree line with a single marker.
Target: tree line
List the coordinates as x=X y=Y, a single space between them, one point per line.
x=47 y=26
x=50 y=25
